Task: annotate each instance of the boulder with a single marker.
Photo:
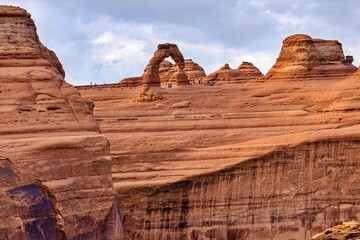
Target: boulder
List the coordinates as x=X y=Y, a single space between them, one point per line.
x=183 y=104
x=248 y=71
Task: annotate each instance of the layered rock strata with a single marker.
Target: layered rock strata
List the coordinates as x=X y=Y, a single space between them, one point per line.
x=344 y=231
x=245 y=71
x=131 y=82
x=302 y=57
x=167 y=72
x=151 y=76
x=254 y=160
x=193 y=70
x=249 y=71
x=54 y=165
x=165 y=67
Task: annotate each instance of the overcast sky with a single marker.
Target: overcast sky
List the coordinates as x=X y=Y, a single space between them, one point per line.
x=103 y=41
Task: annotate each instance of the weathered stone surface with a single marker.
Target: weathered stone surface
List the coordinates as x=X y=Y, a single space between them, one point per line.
x=151 y=75
x=358 y=71
x=193 y=70
x=253 y=160
x=131 y=82
x=54 y=165
x=164 y=70
x=147 y=95
x=344 y=231
x=167 y=72
x=183 y=104
x=245 y=71
x=302 y=56
x=249 y=71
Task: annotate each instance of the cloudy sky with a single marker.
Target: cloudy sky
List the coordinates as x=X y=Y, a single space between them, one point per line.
x=103 y=41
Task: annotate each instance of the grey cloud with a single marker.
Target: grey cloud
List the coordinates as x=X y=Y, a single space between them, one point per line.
x=238 y=27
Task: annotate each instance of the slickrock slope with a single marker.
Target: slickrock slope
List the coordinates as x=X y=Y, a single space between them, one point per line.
x=54 y=165
x=255 y=160
x=302 y=56
x=245 y=71
x=345 y=231
x=168 y=72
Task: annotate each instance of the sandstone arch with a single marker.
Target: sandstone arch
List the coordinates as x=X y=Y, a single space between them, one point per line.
x=151 y=75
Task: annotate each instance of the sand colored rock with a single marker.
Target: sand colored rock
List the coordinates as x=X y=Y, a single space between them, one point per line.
x=357 y=72
x=151 y=75
x=193 y=70
x=131 y=82
x=225 y=73
x=244 y=72
x=302 y=56
x=254 y=160
x=148 y=95
x=249 y=71
x=345 y=231
x=183 y=104
x=164 y=70
x=167 y=72
x=54 y=165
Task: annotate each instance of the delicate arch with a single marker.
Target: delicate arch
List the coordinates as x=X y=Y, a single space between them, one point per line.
x=151 y=75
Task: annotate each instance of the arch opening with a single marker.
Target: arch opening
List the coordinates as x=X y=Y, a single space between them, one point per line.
x=151 y=75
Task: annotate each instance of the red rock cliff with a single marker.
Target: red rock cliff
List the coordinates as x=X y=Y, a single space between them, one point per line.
x=54 y=165
x=303 y=56
x=256 y=160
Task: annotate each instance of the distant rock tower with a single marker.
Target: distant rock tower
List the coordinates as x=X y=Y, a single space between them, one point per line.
x=302 y=56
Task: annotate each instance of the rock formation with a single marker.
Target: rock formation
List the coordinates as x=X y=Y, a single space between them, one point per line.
x=302 y=56
x=345 y=231
x=254 y=160
x=249 y=71
x=151 y=75
x=167 y=72
x=131 y=82
x=193 y=70
x=245 y=71
x=54 y=165
x=225 y=73
x=164 y=70
x=358 y=71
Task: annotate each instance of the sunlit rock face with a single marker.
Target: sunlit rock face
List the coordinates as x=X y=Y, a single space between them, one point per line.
x=55 y=167
x=167 y=72
x=260 y=159
x=151 y=76
x=302 y=56
x=344 y=231
x=246 y=71
x=286 y=194
x=193 y=70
